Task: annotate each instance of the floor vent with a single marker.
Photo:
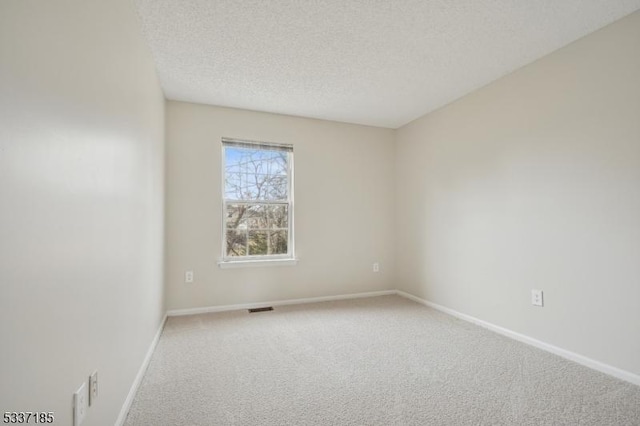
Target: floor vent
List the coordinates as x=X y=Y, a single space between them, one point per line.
x=268 y=308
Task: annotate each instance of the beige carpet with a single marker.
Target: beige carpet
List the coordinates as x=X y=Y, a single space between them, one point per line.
x=376 y=361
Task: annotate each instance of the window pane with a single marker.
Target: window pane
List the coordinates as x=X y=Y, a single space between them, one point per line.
x=267 y=242
x=257 y=216
x=255 y=174
x=277 y=216
x=236 y=243
x=236 y=216
x=258 y=243
x=268 y=216
x=278 y=241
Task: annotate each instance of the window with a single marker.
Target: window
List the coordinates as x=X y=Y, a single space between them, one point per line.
x=258 y=201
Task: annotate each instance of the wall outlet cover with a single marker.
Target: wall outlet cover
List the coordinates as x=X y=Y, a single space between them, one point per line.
x=80 y=401
x=536 y=297
x=93 y=388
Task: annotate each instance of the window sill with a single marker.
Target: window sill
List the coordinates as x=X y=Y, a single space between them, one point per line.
x=256 y=263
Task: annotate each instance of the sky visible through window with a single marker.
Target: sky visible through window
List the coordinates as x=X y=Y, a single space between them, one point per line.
x=255 y=174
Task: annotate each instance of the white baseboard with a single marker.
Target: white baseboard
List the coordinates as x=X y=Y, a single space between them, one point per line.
x=136 y=383
x=223 y=308
x=572 y=356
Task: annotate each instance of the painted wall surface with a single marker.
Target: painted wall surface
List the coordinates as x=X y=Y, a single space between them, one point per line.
x=343 y=207
x=534 y=182
x=81 y=193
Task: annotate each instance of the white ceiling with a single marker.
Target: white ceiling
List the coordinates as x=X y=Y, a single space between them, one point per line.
x=375 y=62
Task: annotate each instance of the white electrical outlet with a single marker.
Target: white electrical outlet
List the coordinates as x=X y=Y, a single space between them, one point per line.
x=188 y=277
x=80 y=400
x=93 y=388
x=376 y=267
x=536 y=297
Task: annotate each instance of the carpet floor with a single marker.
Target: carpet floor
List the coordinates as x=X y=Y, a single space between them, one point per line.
x=376 y=361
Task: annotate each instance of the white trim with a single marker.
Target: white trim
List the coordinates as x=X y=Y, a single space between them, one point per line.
x=291 y=244
x=224 y=264
x=223 y=177
x=571 y=356
x=136 y=382
x=223 y=308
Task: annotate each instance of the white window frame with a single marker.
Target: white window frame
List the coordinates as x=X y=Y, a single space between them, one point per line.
x=259 y=260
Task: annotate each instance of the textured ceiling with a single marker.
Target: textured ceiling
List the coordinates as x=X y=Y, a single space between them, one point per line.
x=376 y=62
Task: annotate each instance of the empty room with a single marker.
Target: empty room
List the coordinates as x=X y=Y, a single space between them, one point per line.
x=354 y=212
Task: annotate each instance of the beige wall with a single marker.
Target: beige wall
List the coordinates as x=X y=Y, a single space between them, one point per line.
x=534 y=182
x=343 y=207
x=81 y=193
